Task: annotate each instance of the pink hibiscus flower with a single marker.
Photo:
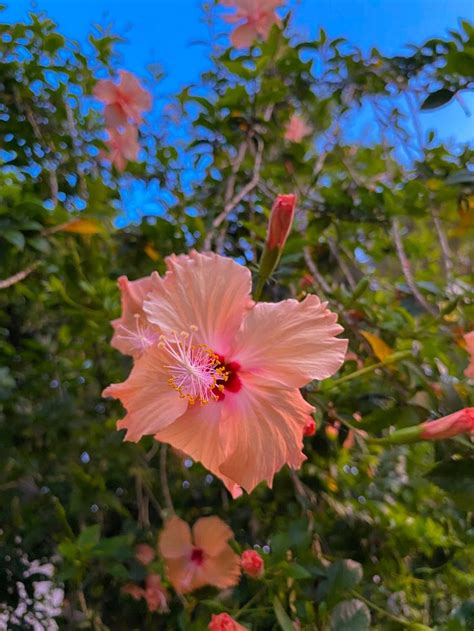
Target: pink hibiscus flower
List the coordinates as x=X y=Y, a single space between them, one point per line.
x=222 y=384
x=198 y=557
x=469 y=340
x=296 y=129
x=258 y=17
x=123 y=146
x=132 y=332
x=124 y=101
x=224 y=622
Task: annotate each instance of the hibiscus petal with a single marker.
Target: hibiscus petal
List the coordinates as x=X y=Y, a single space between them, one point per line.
x=244 y=36
x=211 y=534
x=261 y=430
x=196 y=433
x=203 y=290
x=290 y=342
x=151 y=402
x=222 y=570
x=114 y=116
x=105 y=91
x=175 y=539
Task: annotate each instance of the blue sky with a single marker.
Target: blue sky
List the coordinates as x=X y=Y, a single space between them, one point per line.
x=168 y=32
x=173 y=34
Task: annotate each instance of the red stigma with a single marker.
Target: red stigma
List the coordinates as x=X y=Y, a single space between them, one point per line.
x=197 y=556
x=233 y=383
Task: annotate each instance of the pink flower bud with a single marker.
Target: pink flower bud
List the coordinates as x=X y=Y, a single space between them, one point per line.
x=309 y=427
x=224 y=622
x=281 y=219
x=155 y=594
x=459 y=422
x=144 y=553
x=252 y=563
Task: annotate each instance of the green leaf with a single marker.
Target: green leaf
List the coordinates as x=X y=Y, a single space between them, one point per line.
x=456 y=478
x=294 y=570
x=350 y=615
x=342 y=575
x=89 y=536
x=437 y=99
x=461 y=177
x=284 y=620
x=16 y=238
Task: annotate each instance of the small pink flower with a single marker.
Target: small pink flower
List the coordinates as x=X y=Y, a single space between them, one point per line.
x=224 y=622
x=155 y=594
x=133 y=590
x=123 y=147
x=133 y=334
x=144 y=553
x=258 y=17
x=252 y=563
x=125 y=101
x=198 y=557
x=469 y=339
x=222 y=384
x=459 y=422
x=309 y=428
x=281 y=220
x=297 y=129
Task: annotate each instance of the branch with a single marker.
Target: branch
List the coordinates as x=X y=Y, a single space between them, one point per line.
x=248 y=188
x=443 y=242
x=315 y=272
x=19 y=276
x=164 y=479
x=406 y=269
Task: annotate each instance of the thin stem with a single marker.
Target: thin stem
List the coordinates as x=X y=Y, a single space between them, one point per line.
x=443 y=242
x=19 y=276
x=315 y=272
x=391 y=359
x=406 y=269
x=379 y=610
x=164 y=479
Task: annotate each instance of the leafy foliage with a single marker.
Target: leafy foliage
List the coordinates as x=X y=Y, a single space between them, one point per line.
x=363 y=536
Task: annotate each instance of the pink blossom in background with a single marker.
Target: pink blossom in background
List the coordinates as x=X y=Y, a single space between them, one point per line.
x=309 y=428
x=297 y=129
x=198 y=557
x=144 y=553
x=222 y=384
x=124 y=101
x=226 y=390
x=154 y=593
x=469 y=340
x=460 y=422
x=258 y=17
x=252 y=563
x=133 y=334
x=281 y=220
x=224 y=622
x=122 y=146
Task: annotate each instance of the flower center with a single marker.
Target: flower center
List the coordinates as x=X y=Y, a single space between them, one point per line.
x=197 y=556
x=195 y=371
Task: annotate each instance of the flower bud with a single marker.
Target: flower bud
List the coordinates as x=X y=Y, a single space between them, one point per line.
x=459 y=422
x=281 y=219
x=309 y=427
x=224 y=622
x=144 y=553
x=252 y=563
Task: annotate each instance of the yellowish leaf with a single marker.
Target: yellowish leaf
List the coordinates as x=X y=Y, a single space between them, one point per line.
x=80 y=226
x=151 y=252
x=381 y=350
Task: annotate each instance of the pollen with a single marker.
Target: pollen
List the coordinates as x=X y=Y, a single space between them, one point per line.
x=196 y=372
